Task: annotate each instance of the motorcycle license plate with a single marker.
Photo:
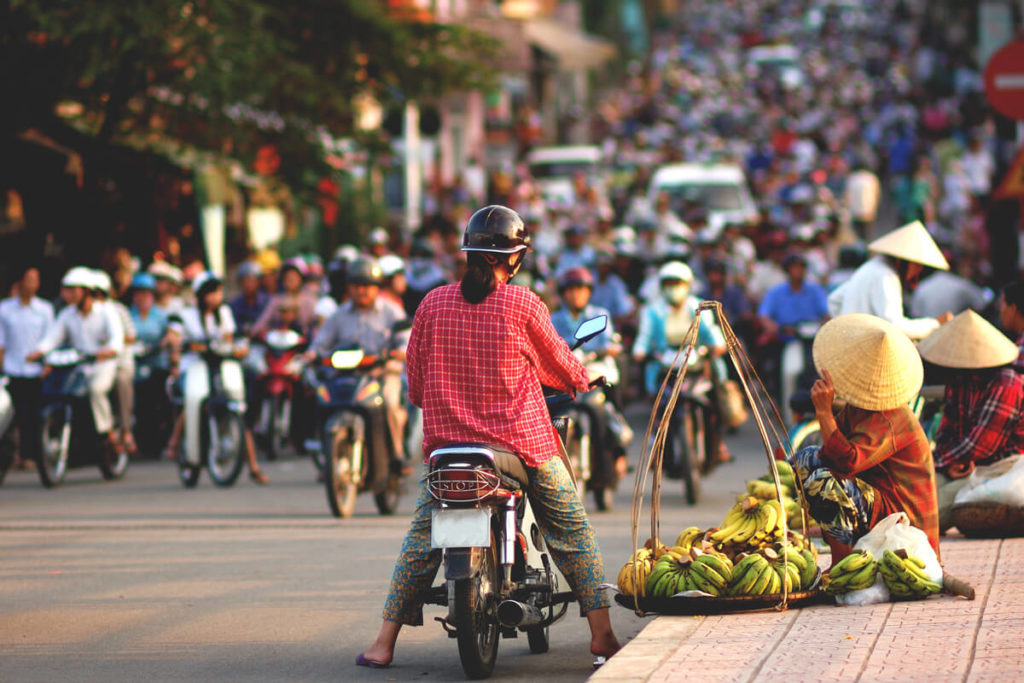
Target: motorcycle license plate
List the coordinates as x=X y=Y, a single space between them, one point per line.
x=470 y=528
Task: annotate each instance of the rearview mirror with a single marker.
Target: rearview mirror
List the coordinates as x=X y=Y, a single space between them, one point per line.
x=588 y=329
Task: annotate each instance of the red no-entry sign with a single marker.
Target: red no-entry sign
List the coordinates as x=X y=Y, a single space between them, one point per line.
x=1004 y=80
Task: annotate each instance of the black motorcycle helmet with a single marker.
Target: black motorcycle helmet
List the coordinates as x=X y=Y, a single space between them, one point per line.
x=364 y=271
x=496 y=230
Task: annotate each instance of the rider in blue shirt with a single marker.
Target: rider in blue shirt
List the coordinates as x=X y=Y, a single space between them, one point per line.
x=798 y=300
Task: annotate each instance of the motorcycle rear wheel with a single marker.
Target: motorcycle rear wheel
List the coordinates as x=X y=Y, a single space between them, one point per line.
x=387 y=500
x=342 y=489
x=476 y=625
x=224 y=444
x=52 y=460
x=189 y=474
x=112 y=463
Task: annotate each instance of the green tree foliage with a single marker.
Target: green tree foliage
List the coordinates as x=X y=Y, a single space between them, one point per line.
x=223 y=75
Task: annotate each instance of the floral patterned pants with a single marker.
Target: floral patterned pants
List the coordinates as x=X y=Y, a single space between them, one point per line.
x=562 y=521
x=842 y=507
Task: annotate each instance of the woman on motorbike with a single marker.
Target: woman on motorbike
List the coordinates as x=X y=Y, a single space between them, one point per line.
x=209 y=321
x=477 y=357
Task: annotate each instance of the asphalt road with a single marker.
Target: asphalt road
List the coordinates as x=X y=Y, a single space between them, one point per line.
x=141 y=579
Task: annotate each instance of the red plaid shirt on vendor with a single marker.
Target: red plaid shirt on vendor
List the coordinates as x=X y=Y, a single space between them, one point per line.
x=888 y=450
x=981 y=422
x=476 y=370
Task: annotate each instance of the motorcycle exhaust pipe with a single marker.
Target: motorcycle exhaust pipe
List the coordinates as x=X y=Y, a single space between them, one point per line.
x=512 y=613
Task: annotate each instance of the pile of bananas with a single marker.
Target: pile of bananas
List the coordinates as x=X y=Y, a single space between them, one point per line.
x=767 y=572
x=764 y=489
x=675 y=572
x=633 y=575
x=854 y=572
x=752 y=523
x=905 y=576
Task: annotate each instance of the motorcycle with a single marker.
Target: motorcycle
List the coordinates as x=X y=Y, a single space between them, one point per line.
x=499 y=576
x=278 y=382
x=6 y=418
x=220 y=442
x=69 y=437
x=591 y=439
x=154 y=423
x=796 y=367
x=355 y=444
x=694 y=437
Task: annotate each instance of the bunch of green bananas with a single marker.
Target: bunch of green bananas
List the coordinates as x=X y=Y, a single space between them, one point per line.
x=634 y=573
x=854 y=572
x=754 y=575
x=673 y=574
x=905 y=576
x=801 y=560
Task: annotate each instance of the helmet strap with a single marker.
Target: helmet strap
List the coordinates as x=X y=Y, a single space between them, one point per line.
x=515 y=261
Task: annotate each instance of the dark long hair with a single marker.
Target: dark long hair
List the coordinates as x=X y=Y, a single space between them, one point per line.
x=479 y=280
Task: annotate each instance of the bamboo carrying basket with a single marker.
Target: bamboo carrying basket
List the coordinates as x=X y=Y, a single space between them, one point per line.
x=776 y=443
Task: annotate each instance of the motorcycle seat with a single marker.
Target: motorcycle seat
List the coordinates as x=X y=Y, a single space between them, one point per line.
x=508 y=463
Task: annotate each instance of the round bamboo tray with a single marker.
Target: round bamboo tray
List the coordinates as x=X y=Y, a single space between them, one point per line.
x=988 y=520
x=701 y=605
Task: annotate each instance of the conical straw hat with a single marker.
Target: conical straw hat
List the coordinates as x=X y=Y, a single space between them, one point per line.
x=968 y=341
x=873 y=363
x=911 y=243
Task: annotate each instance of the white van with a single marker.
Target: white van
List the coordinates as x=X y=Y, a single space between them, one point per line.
x=721 y=189
x=553 y=169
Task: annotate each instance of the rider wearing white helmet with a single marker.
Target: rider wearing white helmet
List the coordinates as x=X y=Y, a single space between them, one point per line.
x=125 y=382
x=91 y=330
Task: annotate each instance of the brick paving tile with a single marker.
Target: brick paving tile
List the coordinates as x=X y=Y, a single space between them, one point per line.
x=940 y=639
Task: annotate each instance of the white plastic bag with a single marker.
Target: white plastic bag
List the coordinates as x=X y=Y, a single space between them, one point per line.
x=1000 y=482
x=893 y=533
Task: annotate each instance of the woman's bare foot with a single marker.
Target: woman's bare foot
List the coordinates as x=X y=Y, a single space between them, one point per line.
x=382 y=651
x=603 y=642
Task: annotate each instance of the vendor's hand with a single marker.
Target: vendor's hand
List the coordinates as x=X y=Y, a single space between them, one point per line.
x=823 y=394
x=105 y=354
x=34 y=356
x=945 y=318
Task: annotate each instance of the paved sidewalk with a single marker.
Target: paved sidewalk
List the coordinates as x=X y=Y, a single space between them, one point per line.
x=940 y=639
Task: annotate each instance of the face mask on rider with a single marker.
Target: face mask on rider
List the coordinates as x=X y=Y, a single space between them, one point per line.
x=676 y=294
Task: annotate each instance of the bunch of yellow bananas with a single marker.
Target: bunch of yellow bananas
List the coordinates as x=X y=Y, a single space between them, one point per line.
x=854 y=572
x=905 y=576
x=634 y=573
x=750 y=522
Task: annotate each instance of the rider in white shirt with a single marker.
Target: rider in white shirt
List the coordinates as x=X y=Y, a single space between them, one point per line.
x=92 y=330
x=208 y=322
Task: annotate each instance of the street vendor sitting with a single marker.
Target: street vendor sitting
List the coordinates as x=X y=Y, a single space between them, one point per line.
x=981 y=420
x=875 y=458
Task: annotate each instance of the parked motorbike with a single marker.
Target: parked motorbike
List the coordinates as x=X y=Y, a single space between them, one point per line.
x=155 y=421
x=278 y=383
x=694 y=437
x=499 y=576
x=221 y=443
x=355 y=444
x=69 y=437
x=6 y=418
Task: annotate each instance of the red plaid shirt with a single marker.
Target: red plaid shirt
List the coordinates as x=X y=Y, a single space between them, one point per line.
x=888 y=450
x=981 y=421
x=476 y=370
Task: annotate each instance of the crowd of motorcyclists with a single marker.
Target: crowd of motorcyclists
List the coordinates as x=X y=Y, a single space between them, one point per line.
x=891 y=142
